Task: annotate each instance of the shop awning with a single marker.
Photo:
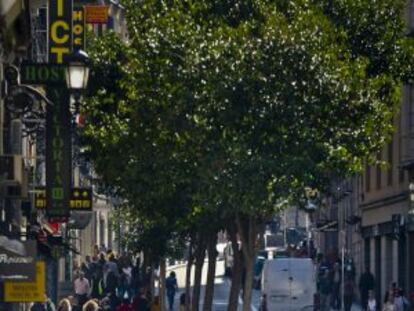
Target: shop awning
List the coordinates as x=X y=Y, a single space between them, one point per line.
x=328 y=226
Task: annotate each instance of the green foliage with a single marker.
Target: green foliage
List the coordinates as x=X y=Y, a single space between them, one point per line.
x=215 y=108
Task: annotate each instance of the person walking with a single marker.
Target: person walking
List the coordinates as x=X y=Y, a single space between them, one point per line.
x=171 y=286
x=348 y=293
x=124 y=306
x=336 y=288
x=140 y=302
x=325 y=287
x=82 y=289
x=372 y=302
x=366 y=283
x=64 y=305
x=389 y=302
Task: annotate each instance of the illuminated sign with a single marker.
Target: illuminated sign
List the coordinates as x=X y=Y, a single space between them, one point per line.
x=96 y=14
x=27 y=291
x=80 y=199
x=58 y=154
x=60 y=30
x=78 y=30
x=46 y=74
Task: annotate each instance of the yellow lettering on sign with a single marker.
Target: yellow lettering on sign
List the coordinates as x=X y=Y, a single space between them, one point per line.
x=60 y=8
x=77 y=16
x=54 y=35
x=77 y=29
x=59 y=53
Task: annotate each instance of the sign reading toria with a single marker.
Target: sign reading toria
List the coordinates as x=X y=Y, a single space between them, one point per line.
x=60 y=30
x=58 y=154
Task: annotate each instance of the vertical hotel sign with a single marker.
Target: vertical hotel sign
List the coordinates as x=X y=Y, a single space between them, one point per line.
x=58 y=117
x=60 y=30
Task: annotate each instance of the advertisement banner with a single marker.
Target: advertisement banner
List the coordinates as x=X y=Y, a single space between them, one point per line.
x=97 y=14
x=58 y=155
x=17 y=260
x=60 y=30
x=27 y=291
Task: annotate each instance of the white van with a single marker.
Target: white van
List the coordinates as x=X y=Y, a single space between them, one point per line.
x=288 y=284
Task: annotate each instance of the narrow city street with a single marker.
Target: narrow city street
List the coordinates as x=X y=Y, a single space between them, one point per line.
x=221 y=290
x=136 y=131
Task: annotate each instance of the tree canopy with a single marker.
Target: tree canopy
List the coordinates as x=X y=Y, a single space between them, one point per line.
x=227 y=107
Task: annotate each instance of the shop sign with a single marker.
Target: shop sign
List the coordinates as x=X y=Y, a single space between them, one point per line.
x=78 y=19
x=42 y=74
x=58 y=155
x=96 y=14
x=17 y=260
x=60 y=30
x=27 y=291
x=80 y=199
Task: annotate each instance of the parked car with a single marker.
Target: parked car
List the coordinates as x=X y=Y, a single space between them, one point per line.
x=288 y=284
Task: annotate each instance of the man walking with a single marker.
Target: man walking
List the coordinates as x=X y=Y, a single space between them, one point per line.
x=82 y=289
x=171 y=285
x=366 y=283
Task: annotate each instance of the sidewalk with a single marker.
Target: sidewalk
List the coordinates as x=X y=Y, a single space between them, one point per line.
x=355 y=307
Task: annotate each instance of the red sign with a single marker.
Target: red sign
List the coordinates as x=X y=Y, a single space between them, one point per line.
x=96 y=14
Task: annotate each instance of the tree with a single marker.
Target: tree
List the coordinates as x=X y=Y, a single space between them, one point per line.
x=256 y=100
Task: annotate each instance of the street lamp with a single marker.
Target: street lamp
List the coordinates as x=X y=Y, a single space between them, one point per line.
x=77 y=71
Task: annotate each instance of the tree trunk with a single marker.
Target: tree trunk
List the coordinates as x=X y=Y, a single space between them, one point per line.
x=211 y=275
x=237 y=271
x=199 y=262
x=248 y=231
x=248 y=285
x=162 y=284
x=190 y=261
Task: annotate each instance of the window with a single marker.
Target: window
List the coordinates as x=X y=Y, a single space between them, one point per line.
x=391 y=163
x=379 y=175
x=367 y=178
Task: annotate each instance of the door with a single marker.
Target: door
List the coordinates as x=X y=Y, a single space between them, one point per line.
x=302 y=284
x=277 y=285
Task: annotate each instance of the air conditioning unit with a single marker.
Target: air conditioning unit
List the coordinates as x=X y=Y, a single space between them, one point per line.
x=11 y=169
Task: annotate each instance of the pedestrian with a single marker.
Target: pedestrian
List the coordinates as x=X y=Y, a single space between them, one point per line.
x=348 y=293
x=124 y=306
x=171 y=286
x=400 y=301
x=91 y=305
x=82 y=289
x=64 y=305
x=389 y=302
x=125 y=290
x=140 y=301
x=96 y=285
x=336 y=286
x=372 y=302
x=182 y=302
x=43 y=306
x=325 y=288
x=110 y=281
x=366 y=283
x=155 y=306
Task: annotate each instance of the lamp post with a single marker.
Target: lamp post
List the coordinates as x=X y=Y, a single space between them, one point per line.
x=77 y=76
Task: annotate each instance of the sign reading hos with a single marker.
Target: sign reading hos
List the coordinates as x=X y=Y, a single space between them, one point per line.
x=60 y=30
